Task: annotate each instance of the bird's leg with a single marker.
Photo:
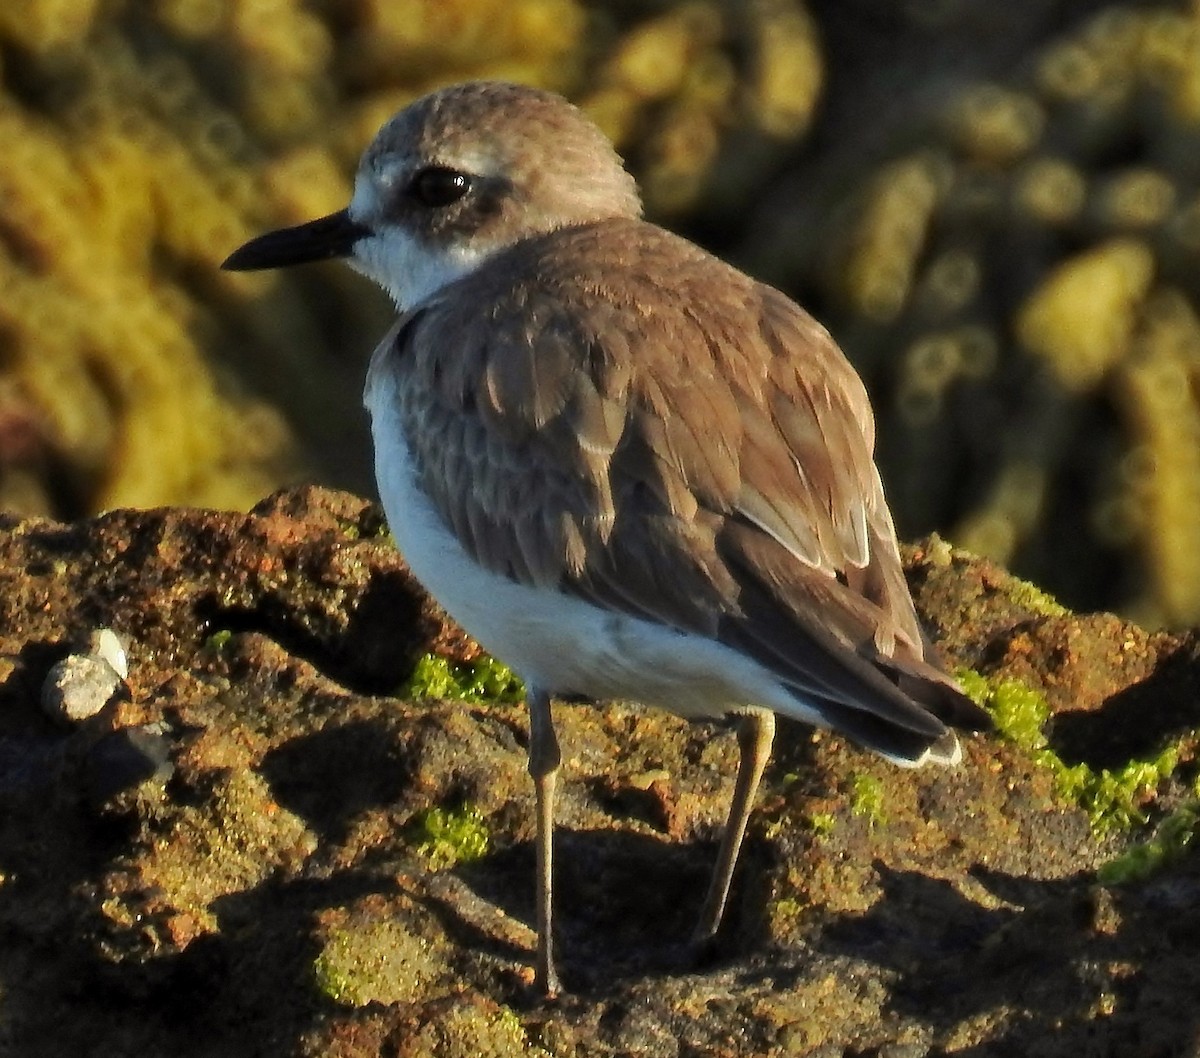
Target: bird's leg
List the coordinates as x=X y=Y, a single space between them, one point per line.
x=544 y=759
x=755 y=733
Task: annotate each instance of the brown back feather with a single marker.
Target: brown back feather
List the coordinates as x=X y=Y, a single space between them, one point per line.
x=685 y=445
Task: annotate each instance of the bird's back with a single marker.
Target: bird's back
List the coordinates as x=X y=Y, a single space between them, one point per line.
x=612 y=413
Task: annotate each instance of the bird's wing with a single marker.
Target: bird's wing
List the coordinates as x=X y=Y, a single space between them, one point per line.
x=705 y=464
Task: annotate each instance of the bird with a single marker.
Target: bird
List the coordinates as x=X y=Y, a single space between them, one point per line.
x=627 y=469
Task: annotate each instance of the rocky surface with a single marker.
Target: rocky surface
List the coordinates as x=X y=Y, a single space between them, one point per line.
x=259 y=848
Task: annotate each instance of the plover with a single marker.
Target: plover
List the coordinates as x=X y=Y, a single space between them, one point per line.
x=626 y=468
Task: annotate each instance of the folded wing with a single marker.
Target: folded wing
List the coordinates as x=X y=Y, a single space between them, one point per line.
x=707 y=466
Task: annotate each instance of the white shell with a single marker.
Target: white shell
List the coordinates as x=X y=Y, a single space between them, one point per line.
x=106 y=645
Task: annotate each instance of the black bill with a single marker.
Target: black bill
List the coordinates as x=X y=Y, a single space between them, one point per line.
x=318 y=240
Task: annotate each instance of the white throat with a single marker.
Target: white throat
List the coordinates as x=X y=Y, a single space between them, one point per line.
x=408 y=269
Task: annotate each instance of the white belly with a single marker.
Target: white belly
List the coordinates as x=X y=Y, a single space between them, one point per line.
x=556 y=642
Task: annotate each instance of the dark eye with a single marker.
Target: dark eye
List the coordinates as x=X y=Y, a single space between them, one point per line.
x=439 y=186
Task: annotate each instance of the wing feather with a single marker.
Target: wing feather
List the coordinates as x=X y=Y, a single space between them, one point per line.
x=708 y=470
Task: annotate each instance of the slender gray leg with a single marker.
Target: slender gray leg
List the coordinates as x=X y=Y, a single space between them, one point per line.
x=755 y=733
x=544 y=758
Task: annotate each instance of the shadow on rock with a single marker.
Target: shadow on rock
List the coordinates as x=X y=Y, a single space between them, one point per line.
x=331 y=776
x=1089 y=969
x=1133 y=724
x=625 y=903
x=919 y=922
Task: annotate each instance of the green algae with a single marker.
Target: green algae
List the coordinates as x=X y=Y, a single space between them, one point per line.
x=1032 y=598
x=1112 y=797
x=448 y=836
x=218 y=641
x=822 y=824
x=1170 y=840
x=483 y=680
x=331 y=977
x=785 y=912
x=372 y=961
x=867 y=798
x=470 y=1026
x=938 y=552
x=365 y=529
x=1024 y=595
x=1019 y=712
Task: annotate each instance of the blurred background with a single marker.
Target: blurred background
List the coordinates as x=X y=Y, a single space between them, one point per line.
x=994 y=206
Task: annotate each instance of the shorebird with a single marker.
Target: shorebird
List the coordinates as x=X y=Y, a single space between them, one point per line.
x=627 y=469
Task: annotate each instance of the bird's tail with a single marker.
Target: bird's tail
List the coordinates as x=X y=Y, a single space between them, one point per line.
x=939 y=697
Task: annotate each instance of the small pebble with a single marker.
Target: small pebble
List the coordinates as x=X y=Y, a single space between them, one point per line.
x=78 y=687
x=106 y=644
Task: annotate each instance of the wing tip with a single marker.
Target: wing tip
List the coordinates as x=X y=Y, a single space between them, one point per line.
x=945 y=751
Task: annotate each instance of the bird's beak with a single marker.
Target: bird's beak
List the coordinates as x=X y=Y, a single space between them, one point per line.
x=318 y=240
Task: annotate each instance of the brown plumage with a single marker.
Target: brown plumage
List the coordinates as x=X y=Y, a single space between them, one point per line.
x=708 y=470
x=626 y=467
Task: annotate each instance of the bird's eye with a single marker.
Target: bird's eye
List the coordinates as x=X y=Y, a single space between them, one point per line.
x=439 y=186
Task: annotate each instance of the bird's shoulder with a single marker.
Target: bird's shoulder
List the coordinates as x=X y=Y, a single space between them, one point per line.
x=631 y=311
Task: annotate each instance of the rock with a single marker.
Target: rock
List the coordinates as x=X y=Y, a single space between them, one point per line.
x=248 y=850
x=78 y=687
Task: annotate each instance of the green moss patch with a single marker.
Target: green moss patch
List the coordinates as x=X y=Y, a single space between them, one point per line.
x=373 y=961
x=822 y=823
x=219 y=640
x=1171 y=838
x=1112 y=797
x=482 y=680
x=1032 y=598
x=867 y=798
x=446 y=836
